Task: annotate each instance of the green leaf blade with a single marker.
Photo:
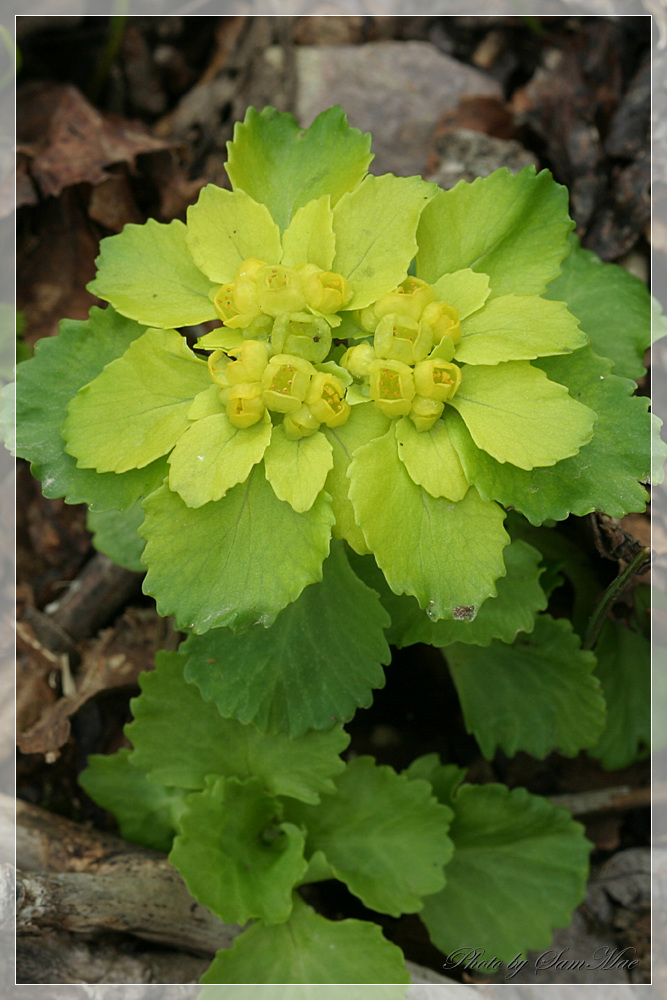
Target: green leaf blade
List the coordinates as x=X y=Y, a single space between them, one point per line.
x=235 y=855
x=512 y=227
x=537 y=695
x=383 y=835
x=147 y=274
x=431 y=459
x=612 y=305
x=514 y=853
x=284 y=167
x=136 y=409
x=223 y=549
x=179 y=739
x=375 y=228
x=318 y=663
x=448 y=556
x=518 y=328
x=225 y=228
x=517 y=415
x=45 y=385
x=297 y=470
x=212 y=456
x=604 y=475
x=147 y=814
x=308 y=948
x=624 y=670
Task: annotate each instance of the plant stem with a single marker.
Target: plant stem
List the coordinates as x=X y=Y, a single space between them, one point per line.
x=611 y=595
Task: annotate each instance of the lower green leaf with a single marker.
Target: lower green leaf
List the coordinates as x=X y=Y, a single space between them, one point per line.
x=234 y=853
x=514 y=854
x=237 y=561
x=314 y=667
x=147 y=814
x=179 y=739
x=46 y=383
x=448 y=556
x=624 y=670
x=115 y=534
x=537 y=695
x=383 y=835
x=309 y=948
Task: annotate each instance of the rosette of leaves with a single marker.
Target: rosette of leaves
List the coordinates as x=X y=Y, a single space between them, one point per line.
x=251 y=450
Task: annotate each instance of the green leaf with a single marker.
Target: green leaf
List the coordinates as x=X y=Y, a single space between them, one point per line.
x=45 y=385
x=516 y=328
x=309 y=948
x=310 y=236
x=179 y=739
x=147 y=273
x=446 y=555
x=512 y=227
x=364 y=423
x=285 y=167
x=516 y=415
x=147 y=814
x=513 y=611
x=315 y=666
x=514 y=855
x=375 y=228
x=136 y=409
x=612 y=305
x=213 y=455
x=115 y=534
x=383 y=835
x=237 y=561
x=297 y=470
x=602 y=476
x=431 y=459
x=624 y=670
x=466 y=290
x=538 y=694
x=235 y=855
x=225 y=228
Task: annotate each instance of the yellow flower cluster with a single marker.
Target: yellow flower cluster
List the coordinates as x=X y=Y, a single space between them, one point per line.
x=254 y=382
x=409 y=364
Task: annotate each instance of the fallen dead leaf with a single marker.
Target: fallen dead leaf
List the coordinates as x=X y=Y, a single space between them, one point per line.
x=69 y=142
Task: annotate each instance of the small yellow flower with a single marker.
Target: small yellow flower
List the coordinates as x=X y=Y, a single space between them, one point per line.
x=285 y=382
x=392 y=387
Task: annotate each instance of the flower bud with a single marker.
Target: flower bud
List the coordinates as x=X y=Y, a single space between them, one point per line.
x=252 y=357
x=302 y=334
x=409 y=299
x=402 y=339
x=279 y=290
x=358 y=360
x=244 y=403
x=425 y=412
x=325 y=291
x=223 y=302
x=326 y=399
x=437 y=379
x=217 y=366
x=392 y=387
x=302 y=423
x=285 y=382
x=443 y=320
